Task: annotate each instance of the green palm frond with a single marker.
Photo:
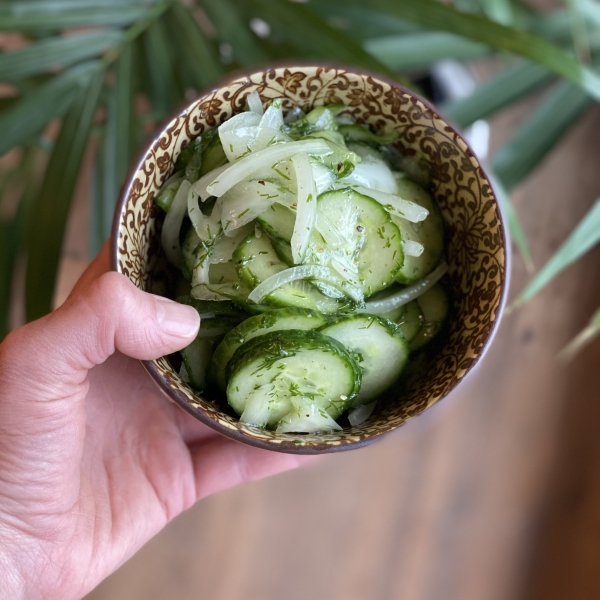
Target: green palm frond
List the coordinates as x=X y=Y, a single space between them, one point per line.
x=110 y=70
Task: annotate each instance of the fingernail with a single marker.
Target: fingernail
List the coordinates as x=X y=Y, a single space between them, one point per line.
x=176 y=319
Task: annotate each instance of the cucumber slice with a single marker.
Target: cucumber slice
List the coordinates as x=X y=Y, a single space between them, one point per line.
x=272 y=320
x=225 y=309
x=197 y=356
x=411 y=321
x=223 y=272
x=256 y=261
x=361 y=133
x=434 y=307
x=273 y=375
x=278 y=223
x=395 y=314
x=213 y=156
x=377 y=345
x=368 y=239
x=429 y=232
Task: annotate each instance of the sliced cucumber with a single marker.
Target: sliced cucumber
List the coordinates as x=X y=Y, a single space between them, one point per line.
x=225 y=309
x=434 y=307
x=411 y=321
x=378 y=347
x=361 y=133
x=273 y=320
x=167 y=195
x=278 y=223
x=256 y=261
x=223 y=272
x=272 y=375
x=395 y=314
x=429 y=233
x=197 y=356
x=368 y=239
x=213 y=156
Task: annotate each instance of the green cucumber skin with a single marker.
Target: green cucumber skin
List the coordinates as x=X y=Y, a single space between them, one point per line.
x=379 y=253
x=225 y=308
x=275 y=346
x=188 y=249
x=429 y=232
x=256 y=260
x=411 y=321
x=351 y=331
x=251 y=328
x=434 y=308
x=278 y=223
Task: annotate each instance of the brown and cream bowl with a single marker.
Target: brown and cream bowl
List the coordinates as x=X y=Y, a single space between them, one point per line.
x=476 y=242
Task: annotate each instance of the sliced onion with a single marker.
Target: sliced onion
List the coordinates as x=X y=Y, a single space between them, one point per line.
x=360 y=414
x=412 y=248
x=273 y=117
x=224 y=246
x=374 y=174
x=324 y=177
x=172 y=224
x=241 y=142
x=308 y=418
x=411 y=211
x=306 y=208
x=207 y=228
x=407 y=294
x=248 y=199
x=245 y=119
x=200 y=187
x=324 y=274
x=248 y=165
x=255 y=103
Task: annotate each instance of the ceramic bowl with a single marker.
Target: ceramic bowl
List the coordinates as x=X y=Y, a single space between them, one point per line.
x=476 y=245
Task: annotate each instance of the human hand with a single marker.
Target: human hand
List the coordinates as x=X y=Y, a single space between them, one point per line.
x=94 y=460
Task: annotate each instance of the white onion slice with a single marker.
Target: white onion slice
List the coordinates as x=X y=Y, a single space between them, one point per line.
x=172 y=224
x=248 y=199
x=273 y=117
x=246 y=166
x=306 y=208
x=360 y=414
x=241 y=142
x=407 y=294
x=374 y=174
x=411 y=211
x=324 y=177
x=255 y=103
x=317 y=272
x=309 y=419
x=224 y=246
x=200 y=187
x=412 y=248
x=245 y=119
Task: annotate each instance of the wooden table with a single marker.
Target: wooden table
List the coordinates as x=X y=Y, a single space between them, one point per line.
x=492 y=495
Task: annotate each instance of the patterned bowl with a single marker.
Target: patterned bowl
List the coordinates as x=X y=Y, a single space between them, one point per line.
x=476 y=244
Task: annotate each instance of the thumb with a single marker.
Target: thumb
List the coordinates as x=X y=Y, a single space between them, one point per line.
x=44 y=365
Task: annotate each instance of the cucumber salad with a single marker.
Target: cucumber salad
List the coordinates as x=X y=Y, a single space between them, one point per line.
x=312 y=249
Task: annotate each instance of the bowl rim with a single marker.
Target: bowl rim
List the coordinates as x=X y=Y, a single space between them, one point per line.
x=149 y=365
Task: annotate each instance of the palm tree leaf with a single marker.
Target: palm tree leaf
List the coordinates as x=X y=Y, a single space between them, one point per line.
x=29 y=115
x=501 y=90
x=361 y=22
x=583 y=338
x=434 y=15
x=534 y=139
x=31 y=15
x=197 y=55
x=54 y=200
x=515 y=228
x=421 y=50
x=232 y=29
x=165 y=92
x=313 y=37
x=584 y=237
x=53 y=52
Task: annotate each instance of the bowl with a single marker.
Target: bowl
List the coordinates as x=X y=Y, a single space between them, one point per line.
x=476 y=242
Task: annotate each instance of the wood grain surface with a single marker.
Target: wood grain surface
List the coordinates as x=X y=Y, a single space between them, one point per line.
x=492 y=495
